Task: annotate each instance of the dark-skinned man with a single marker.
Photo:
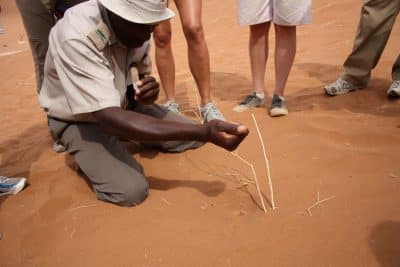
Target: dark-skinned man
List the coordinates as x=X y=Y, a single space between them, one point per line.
x=85 y=95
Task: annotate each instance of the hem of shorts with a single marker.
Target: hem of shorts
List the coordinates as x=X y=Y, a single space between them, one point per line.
x=279 y=24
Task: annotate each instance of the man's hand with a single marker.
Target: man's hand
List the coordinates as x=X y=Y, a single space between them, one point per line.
x=226 y=135
x=146 y=90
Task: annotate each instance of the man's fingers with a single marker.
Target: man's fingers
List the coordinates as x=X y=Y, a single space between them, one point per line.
x=145 y=80
x=151 y=86
x=242 y=129
x=149 y=93
x=233 y=129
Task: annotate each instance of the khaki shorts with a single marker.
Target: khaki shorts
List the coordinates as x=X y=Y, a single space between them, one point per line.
x=280 y=12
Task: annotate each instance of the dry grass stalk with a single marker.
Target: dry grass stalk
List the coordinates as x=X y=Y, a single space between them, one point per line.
x=195 y=113
x=271 y=189
x=83 y=206
x=255 y=178
x=318 y=202
x=198 y=103
x=166 y=201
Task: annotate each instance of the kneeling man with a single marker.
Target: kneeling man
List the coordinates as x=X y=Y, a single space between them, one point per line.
x=92 y=102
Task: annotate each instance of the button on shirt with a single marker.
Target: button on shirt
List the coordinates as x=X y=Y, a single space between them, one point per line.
x=86 y=68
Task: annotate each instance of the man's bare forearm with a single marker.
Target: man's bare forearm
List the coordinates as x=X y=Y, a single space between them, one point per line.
x=133 y=125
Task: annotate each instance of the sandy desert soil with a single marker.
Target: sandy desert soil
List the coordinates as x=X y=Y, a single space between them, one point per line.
x=345 y=147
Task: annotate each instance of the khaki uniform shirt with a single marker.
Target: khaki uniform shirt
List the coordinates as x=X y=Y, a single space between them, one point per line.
x=49 y=4
x=86 y=68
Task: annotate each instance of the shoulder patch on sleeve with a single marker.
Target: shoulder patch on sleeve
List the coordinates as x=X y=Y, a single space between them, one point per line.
x=100 y=37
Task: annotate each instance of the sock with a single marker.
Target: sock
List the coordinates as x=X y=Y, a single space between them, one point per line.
x=260 y=95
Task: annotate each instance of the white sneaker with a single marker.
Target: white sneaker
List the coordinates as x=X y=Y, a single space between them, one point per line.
x=11 y=186
x=394 y=89
x=278 y=107
x=340 y=87
x=210 y=112
x=172 y=106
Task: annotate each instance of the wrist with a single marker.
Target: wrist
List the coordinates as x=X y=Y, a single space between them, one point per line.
x=204 y=132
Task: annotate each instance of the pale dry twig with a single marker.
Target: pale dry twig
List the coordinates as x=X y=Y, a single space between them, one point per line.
x=255 y=178
x=318 y=202
x=271 y=189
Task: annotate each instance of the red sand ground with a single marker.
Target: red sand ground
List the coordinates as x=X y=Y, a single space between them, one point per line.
x=347 y=147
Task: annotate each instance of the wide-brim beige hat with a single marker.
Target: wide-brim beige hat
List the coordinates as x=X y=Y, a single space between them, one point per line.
x=140 y=11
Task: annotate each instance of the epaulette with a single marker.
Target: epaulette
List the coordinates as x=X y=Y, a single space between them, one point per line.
x=100 y=37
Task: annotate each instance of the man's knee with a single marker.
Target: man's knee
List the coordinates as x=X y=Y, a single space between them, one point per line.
x=131 y=194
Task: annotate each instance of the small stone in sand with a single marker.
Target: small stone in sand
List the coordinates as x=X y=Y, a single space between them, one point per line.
x=239 y=212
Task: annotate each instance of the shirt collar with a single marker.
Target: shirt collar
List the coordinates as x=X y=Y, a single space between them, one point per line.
x=106 y=20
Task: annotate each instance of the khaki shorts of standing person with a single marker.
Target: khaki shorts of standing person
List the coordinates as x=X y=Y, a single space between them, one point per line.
x=281 y=12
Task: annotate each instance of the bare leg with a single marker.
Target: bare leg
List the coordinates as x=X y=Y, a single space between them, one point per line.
x=164 y=58
x=199 y=60
x=258 y=51
x=285 y=52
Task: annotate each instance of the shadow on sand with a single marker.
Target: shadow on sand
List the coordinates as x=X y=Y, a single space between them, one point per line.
x=384 y=241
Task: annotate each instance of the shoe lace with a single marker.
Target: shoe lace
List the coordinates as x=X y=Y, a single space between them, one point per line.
x=248 y=99
x=343 y=84
x=212 y=110
x=170 y=104
x=276 y=102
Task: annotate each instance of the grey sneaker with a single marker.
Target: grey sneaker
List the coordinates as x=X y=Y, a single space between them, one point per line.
x=394 y=89
x=340 y=87
x=11 y=186
x=210 y=112
x=248 y=102
x=278 y=107
x=172 y=106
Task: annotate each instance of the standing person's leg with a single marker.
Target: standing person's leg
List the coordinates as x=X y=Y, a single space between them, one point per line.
x=396 y=69
x=199 y=59
x=165 y=63
x=394 y=89
x=114 y=175
x=258 y=51
x=285 y=51
x=376 y=22
x=287 y=16
x=37 y=21
x=1 y=26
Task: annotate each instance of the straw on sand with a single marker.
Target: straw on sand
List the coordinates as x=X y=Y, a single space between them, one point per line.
x=255 y=178
x=269 y=181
